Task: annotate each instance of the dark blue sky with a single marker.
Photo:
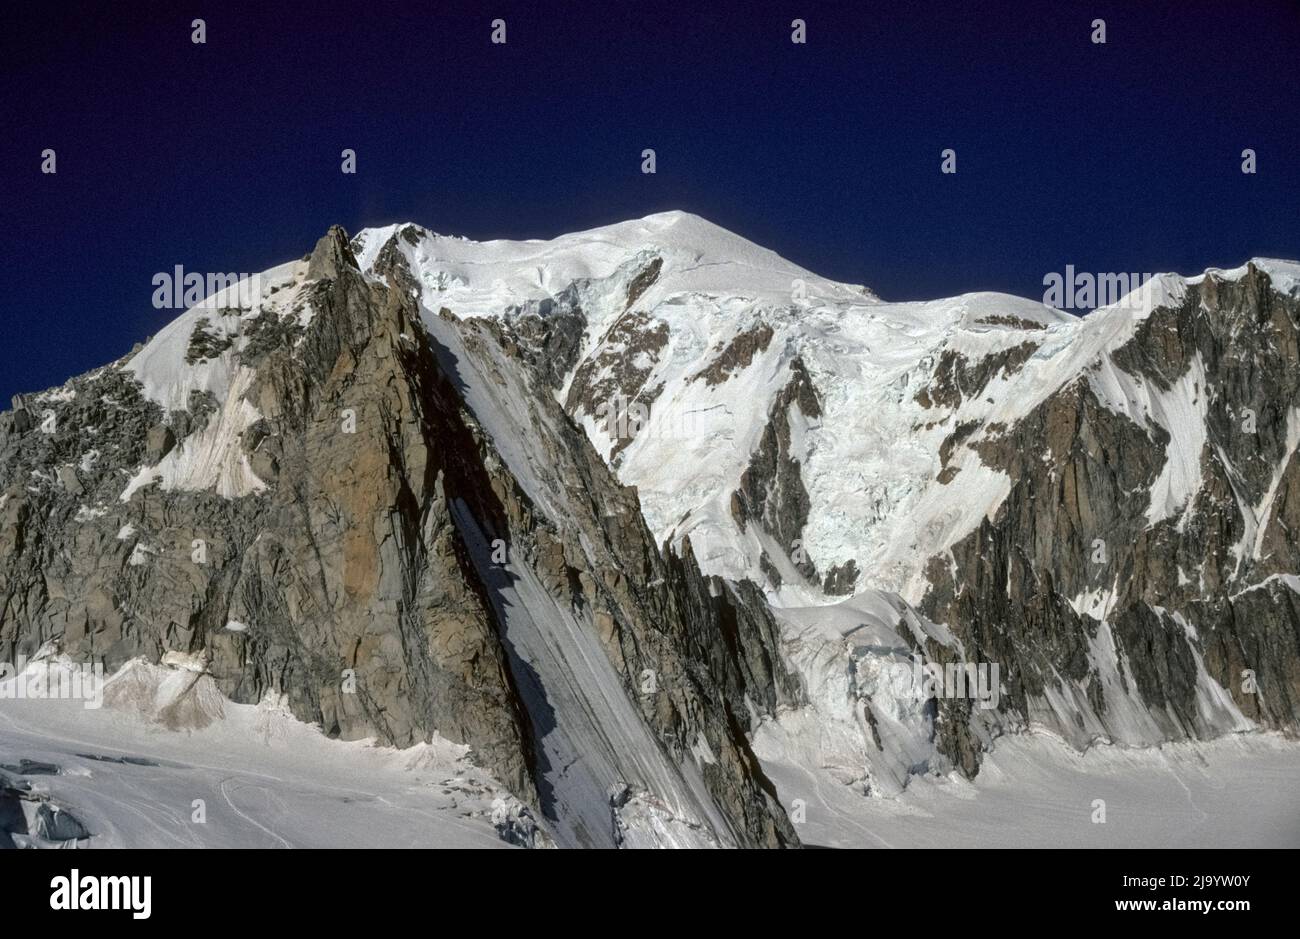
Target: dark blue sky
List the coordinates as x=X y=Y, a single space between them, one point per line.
x=225 y=156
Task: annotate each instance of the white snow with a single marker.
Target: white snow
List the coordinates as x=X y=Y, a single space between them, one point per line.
x=140 y=554
x=1284 y=275
x=1095 y=603
x=56 y=395
x=1035 y=792
x=473 y=278
x=1182 y=412
x=593 y=738
x=88 y=513
x=263 y=779
x=1289 y=580
x=1255 y=518
x=213 y=458
x=1035 y=787
x=858 y=670
x=161 y=367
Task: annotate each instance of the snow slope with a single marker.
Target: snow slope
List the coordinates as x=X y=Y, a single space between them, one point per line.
x=870 y=462
x=213 y=458
x=264 y=779
x=488 y=278
x=593 y=740
x=671 y=294
x=1034 y=792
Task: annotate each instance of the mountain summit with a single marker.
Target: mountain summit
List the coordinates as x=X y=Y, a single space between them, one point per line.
x=646 y=516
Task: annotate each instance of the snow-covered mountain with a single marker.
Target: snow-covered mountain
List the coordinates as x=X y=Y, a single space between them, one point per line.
x=637 y=512
x=705 y=330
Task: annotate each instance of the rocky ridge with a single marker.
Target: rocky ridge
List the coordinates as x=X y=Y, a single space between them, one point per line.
x=622 y=510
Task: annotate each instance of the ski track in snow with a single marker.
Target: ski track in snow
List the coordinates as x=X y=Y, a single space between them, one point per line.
x=225 y=794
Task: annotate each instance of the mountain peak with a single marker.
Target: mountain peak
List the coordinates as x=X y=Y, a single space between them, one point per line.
x=307 y=482
x=697 y=258
x=332 y=254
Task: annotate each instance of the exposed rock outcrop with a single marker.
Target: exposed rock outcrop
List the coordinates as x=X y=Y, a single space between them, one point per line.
x=373 y=572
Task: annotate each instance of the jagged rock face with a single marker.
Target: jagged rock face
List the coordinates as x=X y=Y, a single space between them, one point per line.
x=334 y=524
x=1118 y=612
x=579 y=504
x=771 y=491
x=736 y=355
x=344 y=571
x=971 y=456
x=956 y=377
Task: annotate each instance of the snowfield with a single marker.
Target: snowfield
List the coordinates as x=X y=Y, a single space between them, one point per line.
x=269 y=781
x=263 y=778
x=1033 y=791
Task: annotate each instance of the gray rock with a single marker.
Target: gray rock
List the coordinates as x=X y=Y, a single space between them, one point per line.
x=56 y=824
x=68 y=480
x=1081 y=475
x=159 y=443
x=352 y=570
